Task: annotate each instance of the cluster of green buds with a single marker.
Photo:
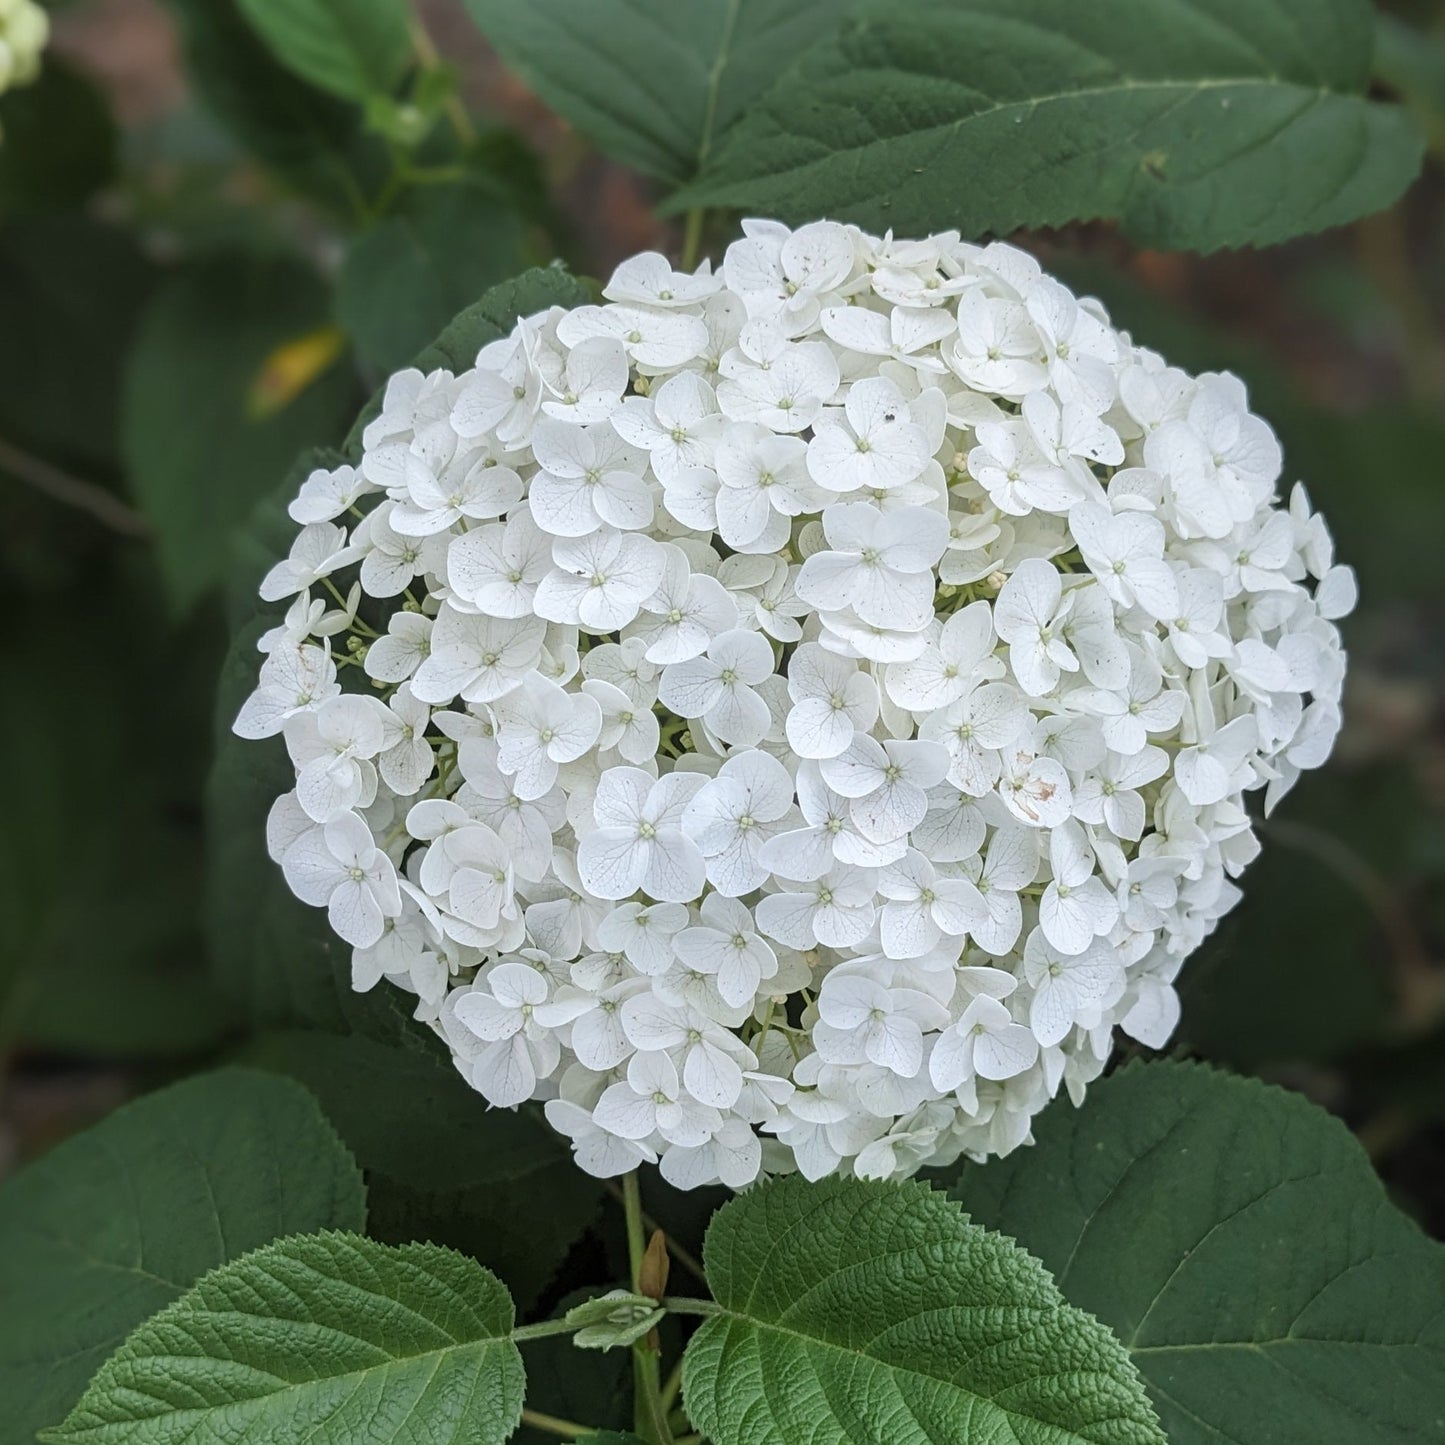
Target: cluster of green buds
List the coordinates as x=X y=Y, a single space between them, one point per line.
x=24 y=29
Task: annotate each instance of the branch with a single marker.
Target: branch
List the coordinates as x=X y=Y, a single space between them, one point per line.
x=70 y=491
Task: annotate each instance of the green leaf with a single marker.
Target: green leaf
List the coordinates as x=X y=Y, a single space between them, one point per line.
x=57 y=142
x=115 y=1223
x=352 y=48
x=328 y=1338
x=614 y=1319
x=312 y=140
x=497 y=1184
x=402 y=281
x=855 y=1310
x=1197 y=123
x=653 y=82
x=213 y=415
x=1237 y=1239
x=1412 y=63
x=485 y=321
x=522 y=1229
x=405 y=1110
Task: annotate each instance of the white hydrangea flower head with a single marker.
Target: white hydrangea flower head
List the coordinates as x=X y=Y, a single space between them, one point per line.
x=24 y=30
x=789 y=718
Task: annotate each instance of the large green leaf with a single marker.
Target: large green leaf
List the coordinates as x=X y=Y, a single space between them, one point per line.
x=352 y=48
x=1197 y=123
x=405 y=1111
x=402 y=281
x=1309 y=925
x=521 y=1228
x=203 y=436
x=653 y=82
x=114 y=1224
x=871 y=1311
x=327 y=1338
x=1237 y=1240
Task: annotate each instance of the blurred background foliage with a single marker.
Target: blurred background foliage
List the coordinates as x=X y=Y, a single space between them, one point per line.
x=208 y=262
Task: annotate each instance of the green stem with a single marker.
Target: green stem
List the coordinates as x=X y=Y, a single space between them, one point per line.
x=434 y=175
x=672 y=1387
x=692 y=237
x=682 y=1306
x=554 y=1425
x=678 y=1253
x=71 y=491
x=636 y=1230
x=427 y=53
x=650 y=1419
x=540 y=1331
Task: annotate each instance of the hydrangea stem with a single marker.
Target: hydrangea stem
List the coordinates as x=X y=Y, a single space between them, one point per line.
x=649 y=1415
x=678 y=1253
x=456 y=112
x=553 y=1425
x=672 y=1388
x=692 y=237
x=71 y=491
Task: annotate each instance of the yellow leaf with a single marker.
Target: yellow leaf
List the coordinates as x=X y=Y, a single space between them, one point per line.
x=291 y=368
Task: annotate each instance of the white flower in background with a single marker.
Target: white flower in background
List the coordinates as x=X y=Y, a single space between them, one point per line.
x=24 y=29
x=789 y=716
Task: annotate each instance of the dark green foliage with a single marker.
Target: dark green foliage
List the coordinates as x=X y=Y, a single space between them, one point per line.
x=214 y=411
x=114 y=1224
x=57 y=142
x=403 y=281
x=1198 y=125
x=908 y=1323
x=1237 y=1240
x=327 y=1338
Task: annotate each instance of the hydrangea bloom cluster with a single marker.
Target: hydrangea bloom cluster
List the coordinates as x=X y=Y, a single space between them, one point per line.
x=788 y=717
